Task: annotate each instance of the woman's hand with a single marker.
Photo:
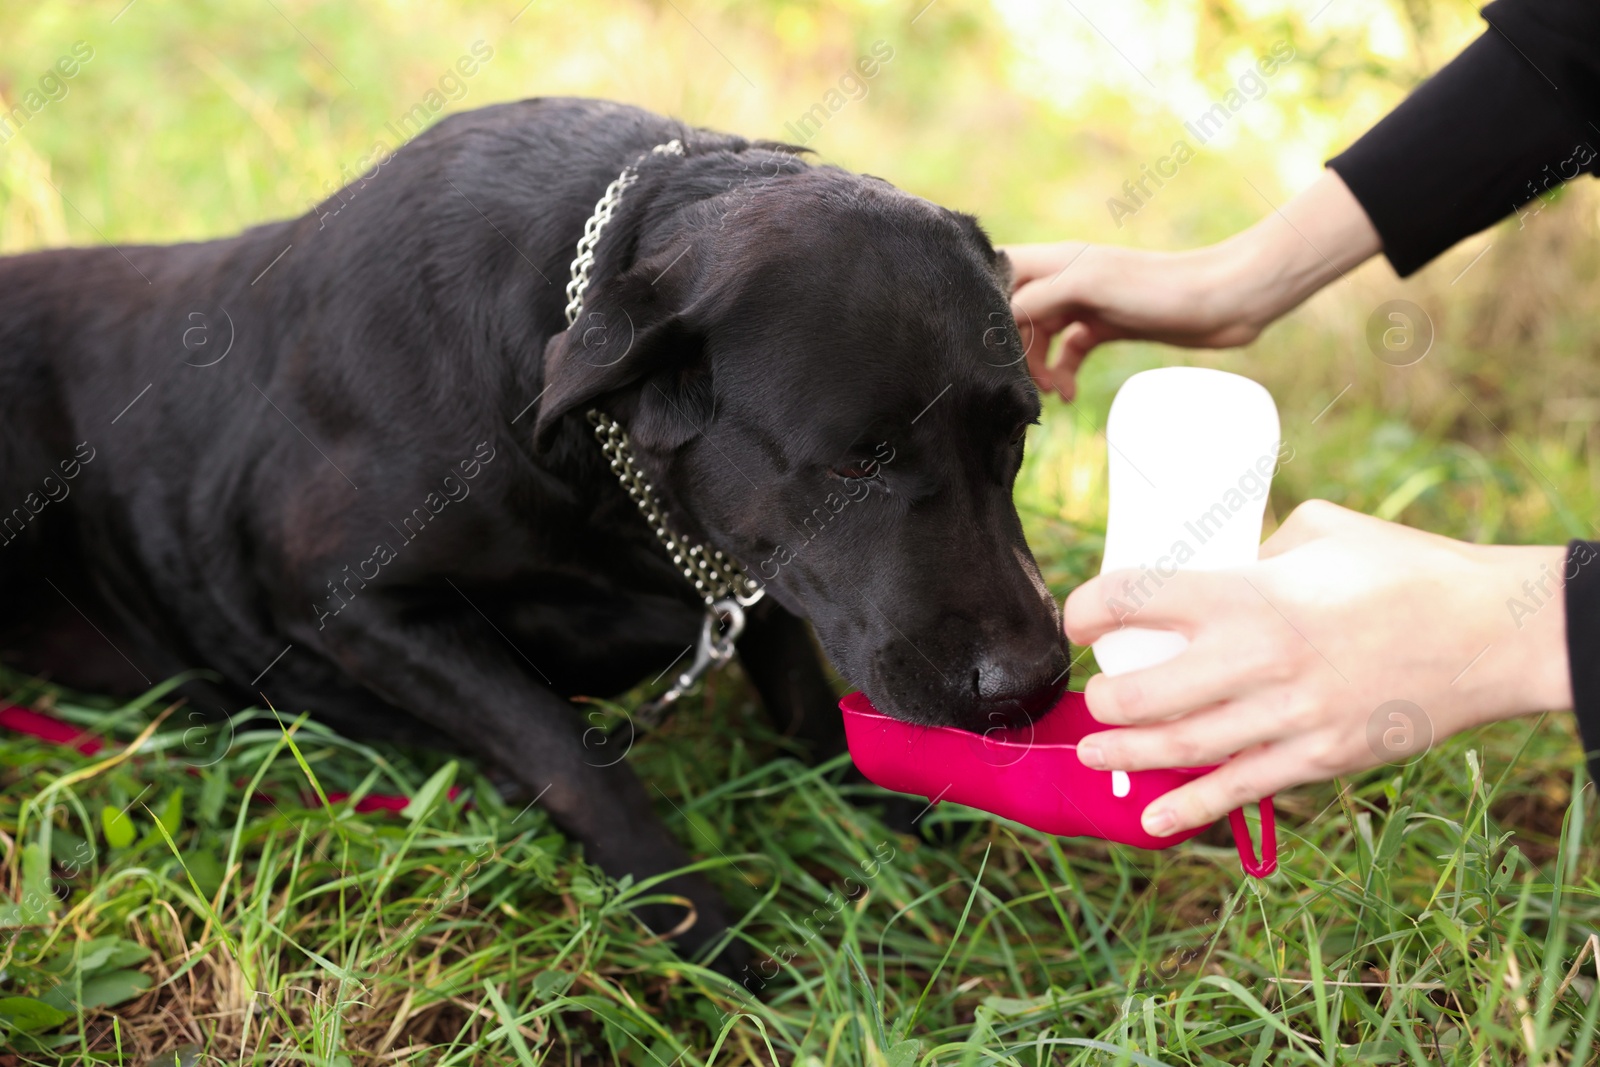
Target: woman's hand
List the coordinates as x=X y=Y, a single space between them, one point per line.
x=1292 y=660
x=1091 y=294
x=1213 y=297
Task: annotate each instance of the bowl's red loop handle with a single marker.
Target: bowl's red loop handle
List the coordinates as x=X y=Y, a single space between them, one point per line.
x=1256 y=868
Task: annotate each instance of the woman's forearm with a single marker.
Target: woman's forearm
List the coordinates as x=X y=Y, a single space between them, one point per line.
x=1529 y=670
x=1217 y=296
x=1314 y=238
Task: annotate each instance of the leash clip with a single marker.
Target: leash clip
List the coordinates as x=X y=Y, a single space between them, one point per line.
x=713 y=650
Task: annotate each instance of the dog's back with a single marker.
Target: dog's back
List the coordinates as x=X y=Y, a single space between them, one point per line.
x=173 y=419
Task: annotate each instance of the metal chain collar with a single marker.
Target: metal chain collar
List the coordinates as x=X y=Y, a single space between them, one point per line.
x=724 y=585
x=714 y=575
x=583 y=262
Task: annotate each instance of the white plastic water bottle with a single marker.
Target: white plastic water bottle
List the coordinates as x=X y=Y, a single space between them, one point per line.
x=1191 y=452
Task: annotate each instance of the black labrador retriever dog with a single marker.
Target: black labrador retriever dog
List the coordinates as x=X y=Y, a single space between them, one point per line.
x=345 y=459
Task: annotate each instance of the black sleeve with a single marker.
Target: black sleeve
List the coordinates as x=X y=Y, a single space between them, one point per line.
x=1511 y=118
x=1582 y=582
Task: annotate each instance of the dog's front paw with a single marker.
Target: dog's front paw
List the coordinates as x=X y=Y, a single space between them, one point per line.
x=699 y=928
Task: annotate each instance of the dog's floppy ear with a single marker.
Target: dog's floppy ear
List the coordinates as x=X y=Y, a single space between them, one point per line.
x=631 y=342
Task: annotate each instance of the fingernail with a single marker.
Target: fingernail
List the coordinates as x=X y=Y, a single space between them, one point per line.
x=1091 y=756
x=1159 y=823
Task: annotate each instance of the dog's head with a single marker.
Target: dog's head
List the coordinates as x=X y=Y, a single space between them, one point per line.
x=821 y=376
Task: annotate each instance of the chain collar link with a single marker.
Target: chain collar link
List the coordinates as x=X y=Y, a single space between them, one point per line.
x=714 y=575
x=720 y=581
x=583 y=262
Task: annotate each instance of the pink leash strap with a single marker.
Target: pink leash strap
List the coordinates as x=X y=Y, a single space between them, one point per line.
x=49 y=728
x=1256 y=868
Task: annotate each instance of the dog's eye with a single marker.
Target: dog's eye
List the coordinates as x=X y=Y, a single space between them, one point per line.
x=866 y=468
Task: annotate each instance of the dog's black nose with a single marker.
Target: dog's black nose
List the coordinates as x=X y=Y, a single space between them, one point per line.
x=1010 y=695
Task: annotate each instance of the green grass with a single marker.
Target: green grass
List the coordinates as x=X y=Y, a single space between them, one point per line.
x=199 y=894
x=1432 y=913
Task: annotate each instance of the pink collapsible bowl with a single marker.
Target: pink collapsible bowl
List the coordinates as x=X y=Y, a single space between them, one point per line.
x=1032 y=775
